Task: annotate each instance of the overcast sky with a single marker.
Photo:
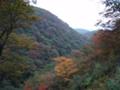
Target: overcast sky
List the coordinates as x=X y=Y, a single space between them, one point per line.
x=77 y=13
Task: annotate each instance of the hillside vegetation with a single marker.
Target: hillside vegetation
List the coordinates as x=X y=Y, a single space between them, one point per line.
x=30 y=48
x=38 y=51
x=53 y=37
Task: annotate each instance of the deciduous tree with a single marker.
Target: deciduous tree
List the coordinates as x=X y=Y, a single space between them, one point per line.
x=65 y=67
x=14 y=14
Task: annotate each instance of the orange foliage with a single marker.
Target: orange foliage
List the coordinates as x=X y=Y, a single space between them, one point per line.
x=65 y=67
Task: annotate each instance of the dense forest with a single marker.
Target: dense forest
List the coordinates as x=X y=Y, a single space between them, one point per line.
x=38 y=51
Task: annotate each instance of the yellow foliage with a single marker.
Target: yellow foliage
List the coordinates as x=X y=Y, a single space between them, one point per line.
x=21 y=41
x=65 y=67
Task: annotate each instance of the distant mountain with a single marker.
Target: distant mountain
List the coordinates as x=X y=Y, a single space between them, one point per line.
x=82 y=31
x=55 y=36
x=87 y=33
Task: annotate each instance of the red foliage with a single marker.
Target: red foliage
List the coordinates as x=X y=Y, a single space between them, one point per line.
x=107 y=43
x=103 y=41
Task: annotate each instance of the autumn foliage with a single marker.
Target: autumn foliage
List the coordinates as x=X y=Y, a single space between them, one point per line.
x=65 y=67
x=107 y=42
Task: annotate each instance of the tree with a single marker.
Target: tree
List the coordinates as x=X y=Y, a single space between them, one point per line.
x=107 y=40
x=65 y=67
x=111 y=13
x=16 y=66
x=14 y=14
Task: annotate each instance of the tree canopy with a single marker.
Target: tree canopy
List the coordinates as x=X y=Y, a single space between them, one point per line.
x=14 y=14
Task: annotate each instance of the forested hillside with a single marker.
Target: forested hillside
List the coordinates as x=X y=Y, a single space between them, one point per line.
x=53 y=32
x=53 y=37
x=32 y=45
x=38 y=51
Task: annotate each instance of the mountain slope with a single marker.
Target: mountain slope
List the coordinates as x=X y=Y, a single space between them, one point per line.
x=55 y=37
x=51 y=31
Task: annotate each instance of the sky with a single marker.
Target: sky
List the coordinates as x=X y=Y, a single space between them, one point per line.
x=77 y=13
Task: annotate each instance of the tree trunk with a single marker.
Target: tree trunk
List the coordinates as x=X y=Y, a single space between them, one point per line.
x=3 y=43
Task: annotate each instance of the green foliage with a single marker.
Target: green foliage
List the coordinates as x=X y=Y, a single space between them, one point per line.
x=114 y=82
x=15 y=69
x=75 y=83
x=13 y=15
x=27 y=57
x=52 y=32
